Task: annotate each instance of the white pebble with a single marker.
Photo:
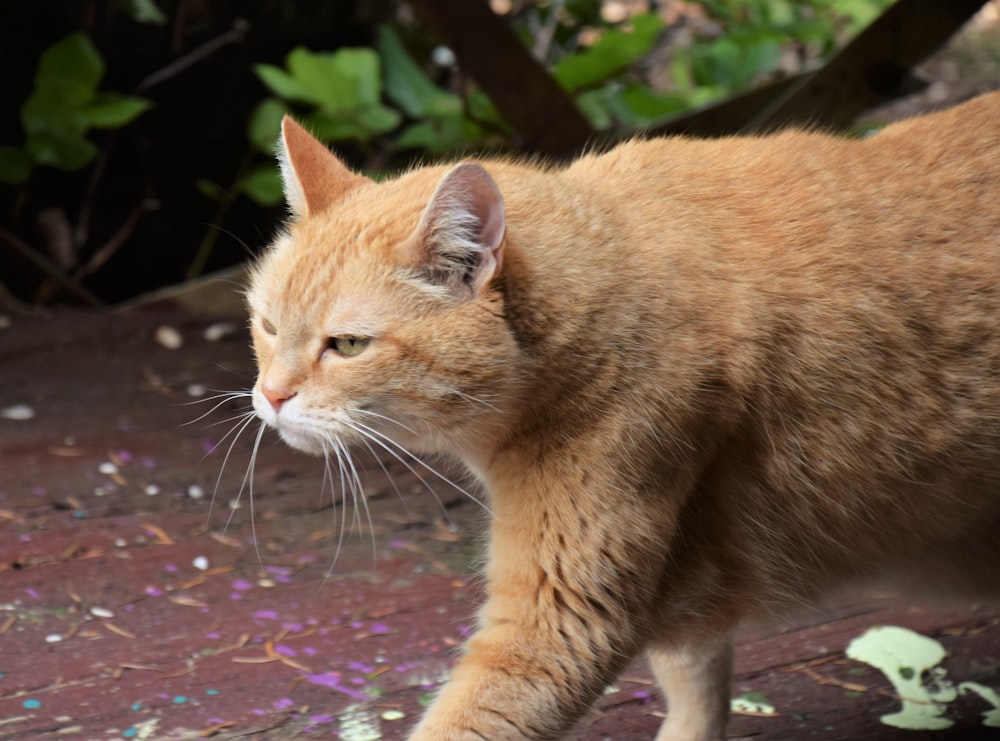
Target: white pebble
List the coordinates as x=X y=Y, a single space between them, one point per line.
x=200 y=563
x=169 y=337
x=101 y=612
x=120 y=542
x=53 y=638
x=100 y=491
x=18 y=411
x=195 y=491
x=219 y=331
x=152 y=490
x=196 y=389
x=108 y=468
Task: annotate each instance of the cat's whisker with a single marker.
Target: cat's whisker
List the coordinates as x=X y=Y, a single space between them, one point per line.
x=471 y=398
x=341 y=469
x=249 y=477
x=392 y=481
x=391 y=446
x=220 y=399
x=239 y=428
x=328 y=448
x=240 y=414
x=358 y=493
x=391 y=420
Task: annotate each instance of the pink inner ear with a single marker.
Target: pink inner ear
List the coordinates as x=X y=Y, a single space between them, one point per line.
x=464 y=225
x=314 y=177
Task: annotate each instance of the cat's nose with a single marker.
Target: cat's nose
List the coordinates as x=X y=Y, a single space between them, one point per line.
x=276 y=397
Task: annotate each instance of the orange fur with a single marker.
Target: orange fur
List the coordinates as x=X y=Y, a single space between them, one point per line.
x=700 y=381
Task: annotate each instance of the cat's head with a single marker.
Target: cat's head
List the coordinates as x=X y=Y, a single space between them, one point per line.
x=376 y=315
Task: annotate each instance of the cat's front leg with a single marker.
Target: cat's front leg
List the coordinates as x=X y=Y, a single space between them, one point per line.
x=554 y=634
x=695 y=677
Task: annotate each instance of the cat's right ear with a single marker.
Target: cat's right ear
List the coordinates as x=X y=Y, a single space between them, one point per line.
x=461 y=232
x=313 y=177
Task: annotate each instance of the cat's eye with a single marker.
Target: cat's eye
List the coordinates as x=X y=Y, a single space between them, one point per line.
x=348 y=346
x=268 y=327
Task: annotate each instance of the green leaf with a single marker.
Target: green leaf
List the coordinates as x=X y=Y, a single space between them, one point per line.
x=611 y=55
x=146 y=12
x=594 y=105
x=343 y=81
x=112 y=111
x=65 y=152
x=71 y=69
x=282 y=84
x=326 y=128
x=15 y=165
x=433 y=135
x=638 y=105
x=481 y=108
x=210 y=190
x=263 y=185
x=264 y=124
x=378 y=119
x=407 y=85
x=42 y=111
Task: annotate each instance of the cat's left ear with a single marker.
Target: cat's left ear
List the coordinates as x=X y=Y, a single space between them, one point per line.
x=462 y=229
x=312 y=176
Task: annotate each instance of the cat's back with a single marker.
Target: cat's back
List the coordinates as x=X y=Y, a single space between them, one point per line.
x=919 y=197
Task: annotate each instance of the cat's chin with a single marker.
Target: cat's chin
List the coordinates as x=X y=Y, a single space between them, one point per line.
x=303 y=442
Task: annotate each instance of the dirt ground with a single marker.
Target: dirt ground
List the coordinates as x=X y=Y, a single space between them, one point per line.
x=144 y=595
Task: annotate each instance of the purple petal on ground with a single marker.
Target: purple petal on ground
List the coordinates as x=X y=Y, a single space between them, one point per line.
x=285 y=650
x=266 y=615
x=332 y=680
x=379 y=629
x=242 y=585
x=357 y=666
x=283 y=704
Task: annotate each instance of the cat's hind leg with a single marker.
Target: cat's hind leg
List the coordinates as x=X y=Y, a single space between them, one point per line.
x=696 y=679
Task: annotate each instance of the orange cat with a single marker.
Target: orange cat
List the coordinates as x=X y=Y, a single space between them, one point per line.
x=699 y=380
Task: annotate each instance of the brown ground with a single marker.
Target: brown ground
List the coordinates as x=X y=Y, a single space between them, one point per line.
x=135 y=606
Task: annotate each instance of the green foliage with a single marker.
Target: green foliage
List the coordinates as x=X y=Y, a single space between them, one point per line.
x=748 y=41
x=343 y=96
x=383 y=98
x=613 y=54
x=63 y=107
x=344 y=90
